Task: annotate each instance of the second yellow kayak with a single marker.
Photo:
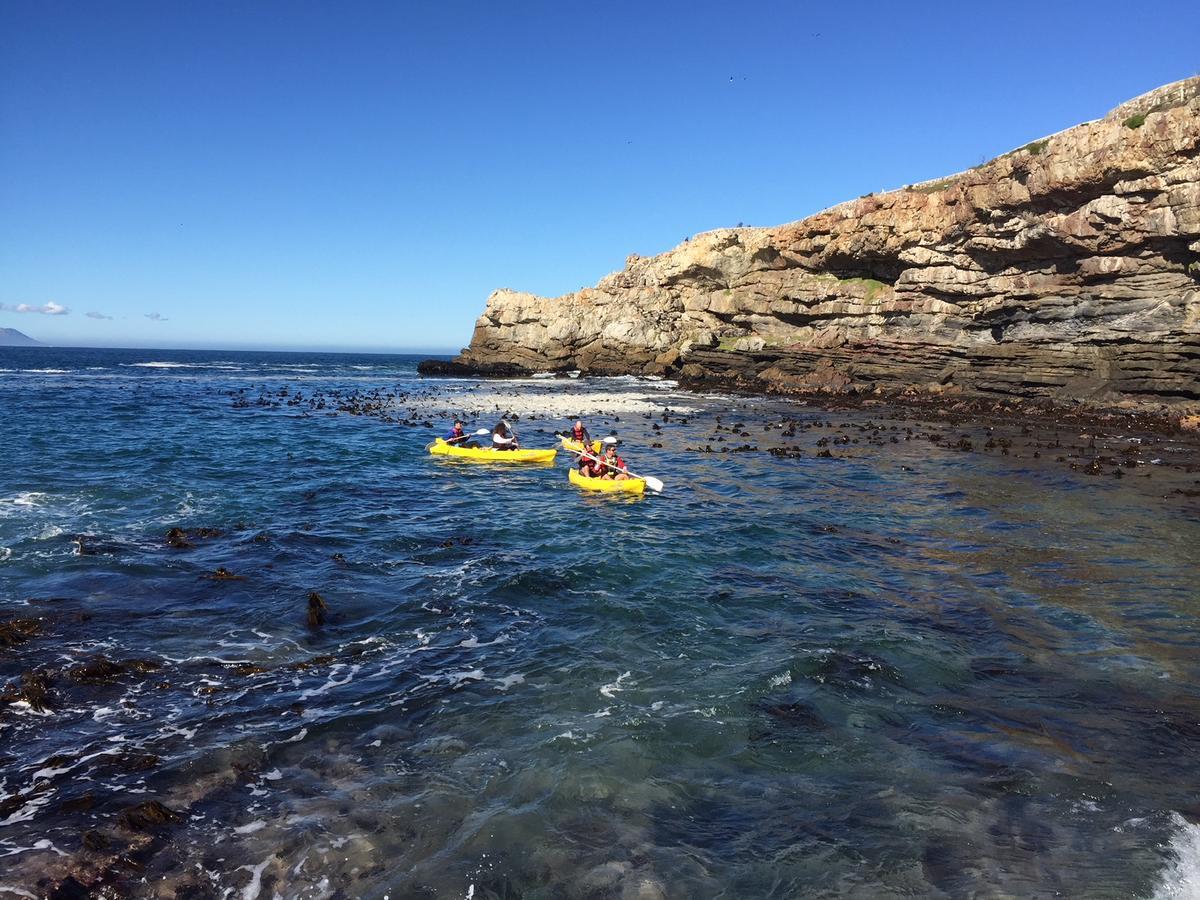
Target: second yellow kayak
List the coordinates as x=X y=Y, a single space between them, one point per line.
x=604 y=485
x=487 y=454
x=577 y=446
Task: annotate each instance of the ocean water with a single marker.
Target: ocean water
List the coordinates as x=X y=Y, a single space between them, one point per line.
x=903 y=672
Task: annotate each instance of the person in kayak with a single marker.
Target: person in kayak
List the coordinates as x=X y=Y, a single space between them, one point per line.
x=580 y=435
x=458 y=437
x=614 y=468
x=590 y=465
x=503 y=437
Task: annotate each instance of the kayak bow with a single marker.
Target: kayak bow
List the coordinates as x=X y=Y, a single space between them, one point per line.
x=577 y=446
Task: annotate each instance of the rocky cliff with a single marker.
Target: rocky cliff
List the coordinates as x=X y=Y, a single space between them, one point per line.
x=1067 y=268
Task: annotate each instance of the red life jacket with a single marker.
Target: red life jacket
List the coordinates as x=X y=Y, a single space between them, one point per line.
x=578 y=433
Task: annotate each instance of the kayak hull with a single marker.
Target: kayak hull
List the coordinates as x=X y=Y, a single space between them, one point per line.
x=577 y=446
x=602 y=485
x=487 y=454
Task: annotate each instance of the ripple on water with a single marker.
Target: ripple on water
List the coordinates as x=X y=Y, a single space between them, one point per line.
x=894 y=673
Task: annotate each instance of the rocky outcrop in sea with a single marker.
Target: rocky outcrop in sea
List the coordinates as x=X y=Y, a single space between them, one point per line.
x=1066 y=269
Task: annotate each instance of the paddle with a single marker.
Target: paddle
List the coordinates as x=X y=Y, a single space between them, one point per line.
x=651 y=482
x=480 y=433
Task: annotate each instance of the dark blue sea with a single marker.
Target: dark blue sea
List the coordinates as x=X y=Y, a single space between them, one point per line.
x=898 y=671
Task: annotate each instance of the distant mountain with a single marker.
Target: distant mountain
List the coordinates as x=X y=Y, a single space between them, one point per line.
x=10 y=337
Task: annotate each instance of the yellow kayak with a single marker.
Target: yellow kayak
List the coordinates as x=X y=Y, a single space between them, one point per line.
x=487 y=454
x=628 y=486
x=577 y=446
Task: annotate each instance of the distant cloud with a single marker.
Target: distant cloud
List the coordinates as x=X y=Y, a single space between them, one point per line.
x=157 y=317
x=96 y=315
x=50 y=309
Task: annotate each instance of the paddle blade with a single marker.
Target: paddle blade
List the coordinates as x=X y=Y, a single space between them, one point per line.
x=653 y=483
x=481 y=432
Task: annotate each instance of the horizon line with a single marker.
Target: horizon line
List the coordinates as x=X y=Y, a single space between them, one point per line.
x=342 y=349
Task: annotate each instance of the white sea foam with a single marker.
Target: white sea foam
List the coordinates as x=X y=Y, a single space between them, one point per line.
x=26 y=498
x=257 y=825
x=1181 y=879
x=20 y=892
x=779 y=680
x=472 y=643
x=28 y=811
x=333 y=681
x=250 y=891
x=458 y=679
x=5 y=553
x=503 y=684
x=614 y=687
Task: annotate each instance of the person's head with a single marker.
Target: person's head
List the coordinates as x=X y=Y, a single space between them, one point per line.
x=579 y=424
x=458 y=425
x=610 y=449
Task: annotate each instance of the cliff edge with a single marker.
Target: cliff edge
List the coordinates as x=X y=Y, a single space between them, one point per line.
x=1068 y=268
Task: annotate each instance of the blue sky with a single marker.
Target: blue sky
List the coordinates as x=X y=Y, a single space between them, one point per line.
x=361 y=175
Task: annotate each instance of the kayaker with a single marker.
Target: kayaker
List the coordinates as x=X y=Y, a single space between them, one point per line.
x=455 y=434
x=614 y=468
x=580 y=435
x=503 y=437
x=589 y=465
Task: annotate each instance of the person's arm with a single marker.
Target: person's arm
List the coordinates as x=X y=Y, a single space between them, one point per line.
x=501 y=439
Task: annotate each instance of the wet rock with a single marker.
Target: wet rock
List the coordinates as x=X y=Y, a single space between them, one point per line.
x=786 y=452
x=194 y=888
x=18 y=631
x=33 y=689
x=132 y=761
x=317 y=609
x=102 y=670
x=94 y=840
x=69 y=888
x=82 y=803
x=178 y=539
x=149 y=816
x=223 y=574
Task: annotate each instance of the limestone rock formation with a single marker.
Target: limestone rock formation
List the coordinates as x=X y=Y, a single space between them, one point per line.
x=1067 y=268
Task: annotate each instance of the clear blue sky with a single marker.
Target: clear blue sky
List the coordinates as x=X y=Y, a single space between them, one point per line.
x=362 y=175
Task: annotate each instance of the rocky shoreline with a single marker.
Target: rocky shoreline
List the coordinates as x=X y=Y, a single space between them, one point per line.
x=1065 y=271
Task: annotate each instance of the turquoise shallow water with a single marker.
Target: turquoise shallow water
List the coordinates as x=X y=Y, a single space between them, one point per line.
x=909 y=672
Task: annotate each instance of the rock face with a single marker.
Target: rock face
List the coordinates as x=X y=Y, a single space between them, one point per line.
x=1068 y=268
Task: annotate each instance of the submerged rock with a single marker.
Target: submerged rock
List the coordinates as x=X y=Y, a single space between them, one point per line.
x=149 y=816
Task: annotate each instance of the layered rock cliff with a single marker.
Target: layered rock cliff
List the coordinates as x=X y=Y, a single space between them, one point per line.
x=1068 y=268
